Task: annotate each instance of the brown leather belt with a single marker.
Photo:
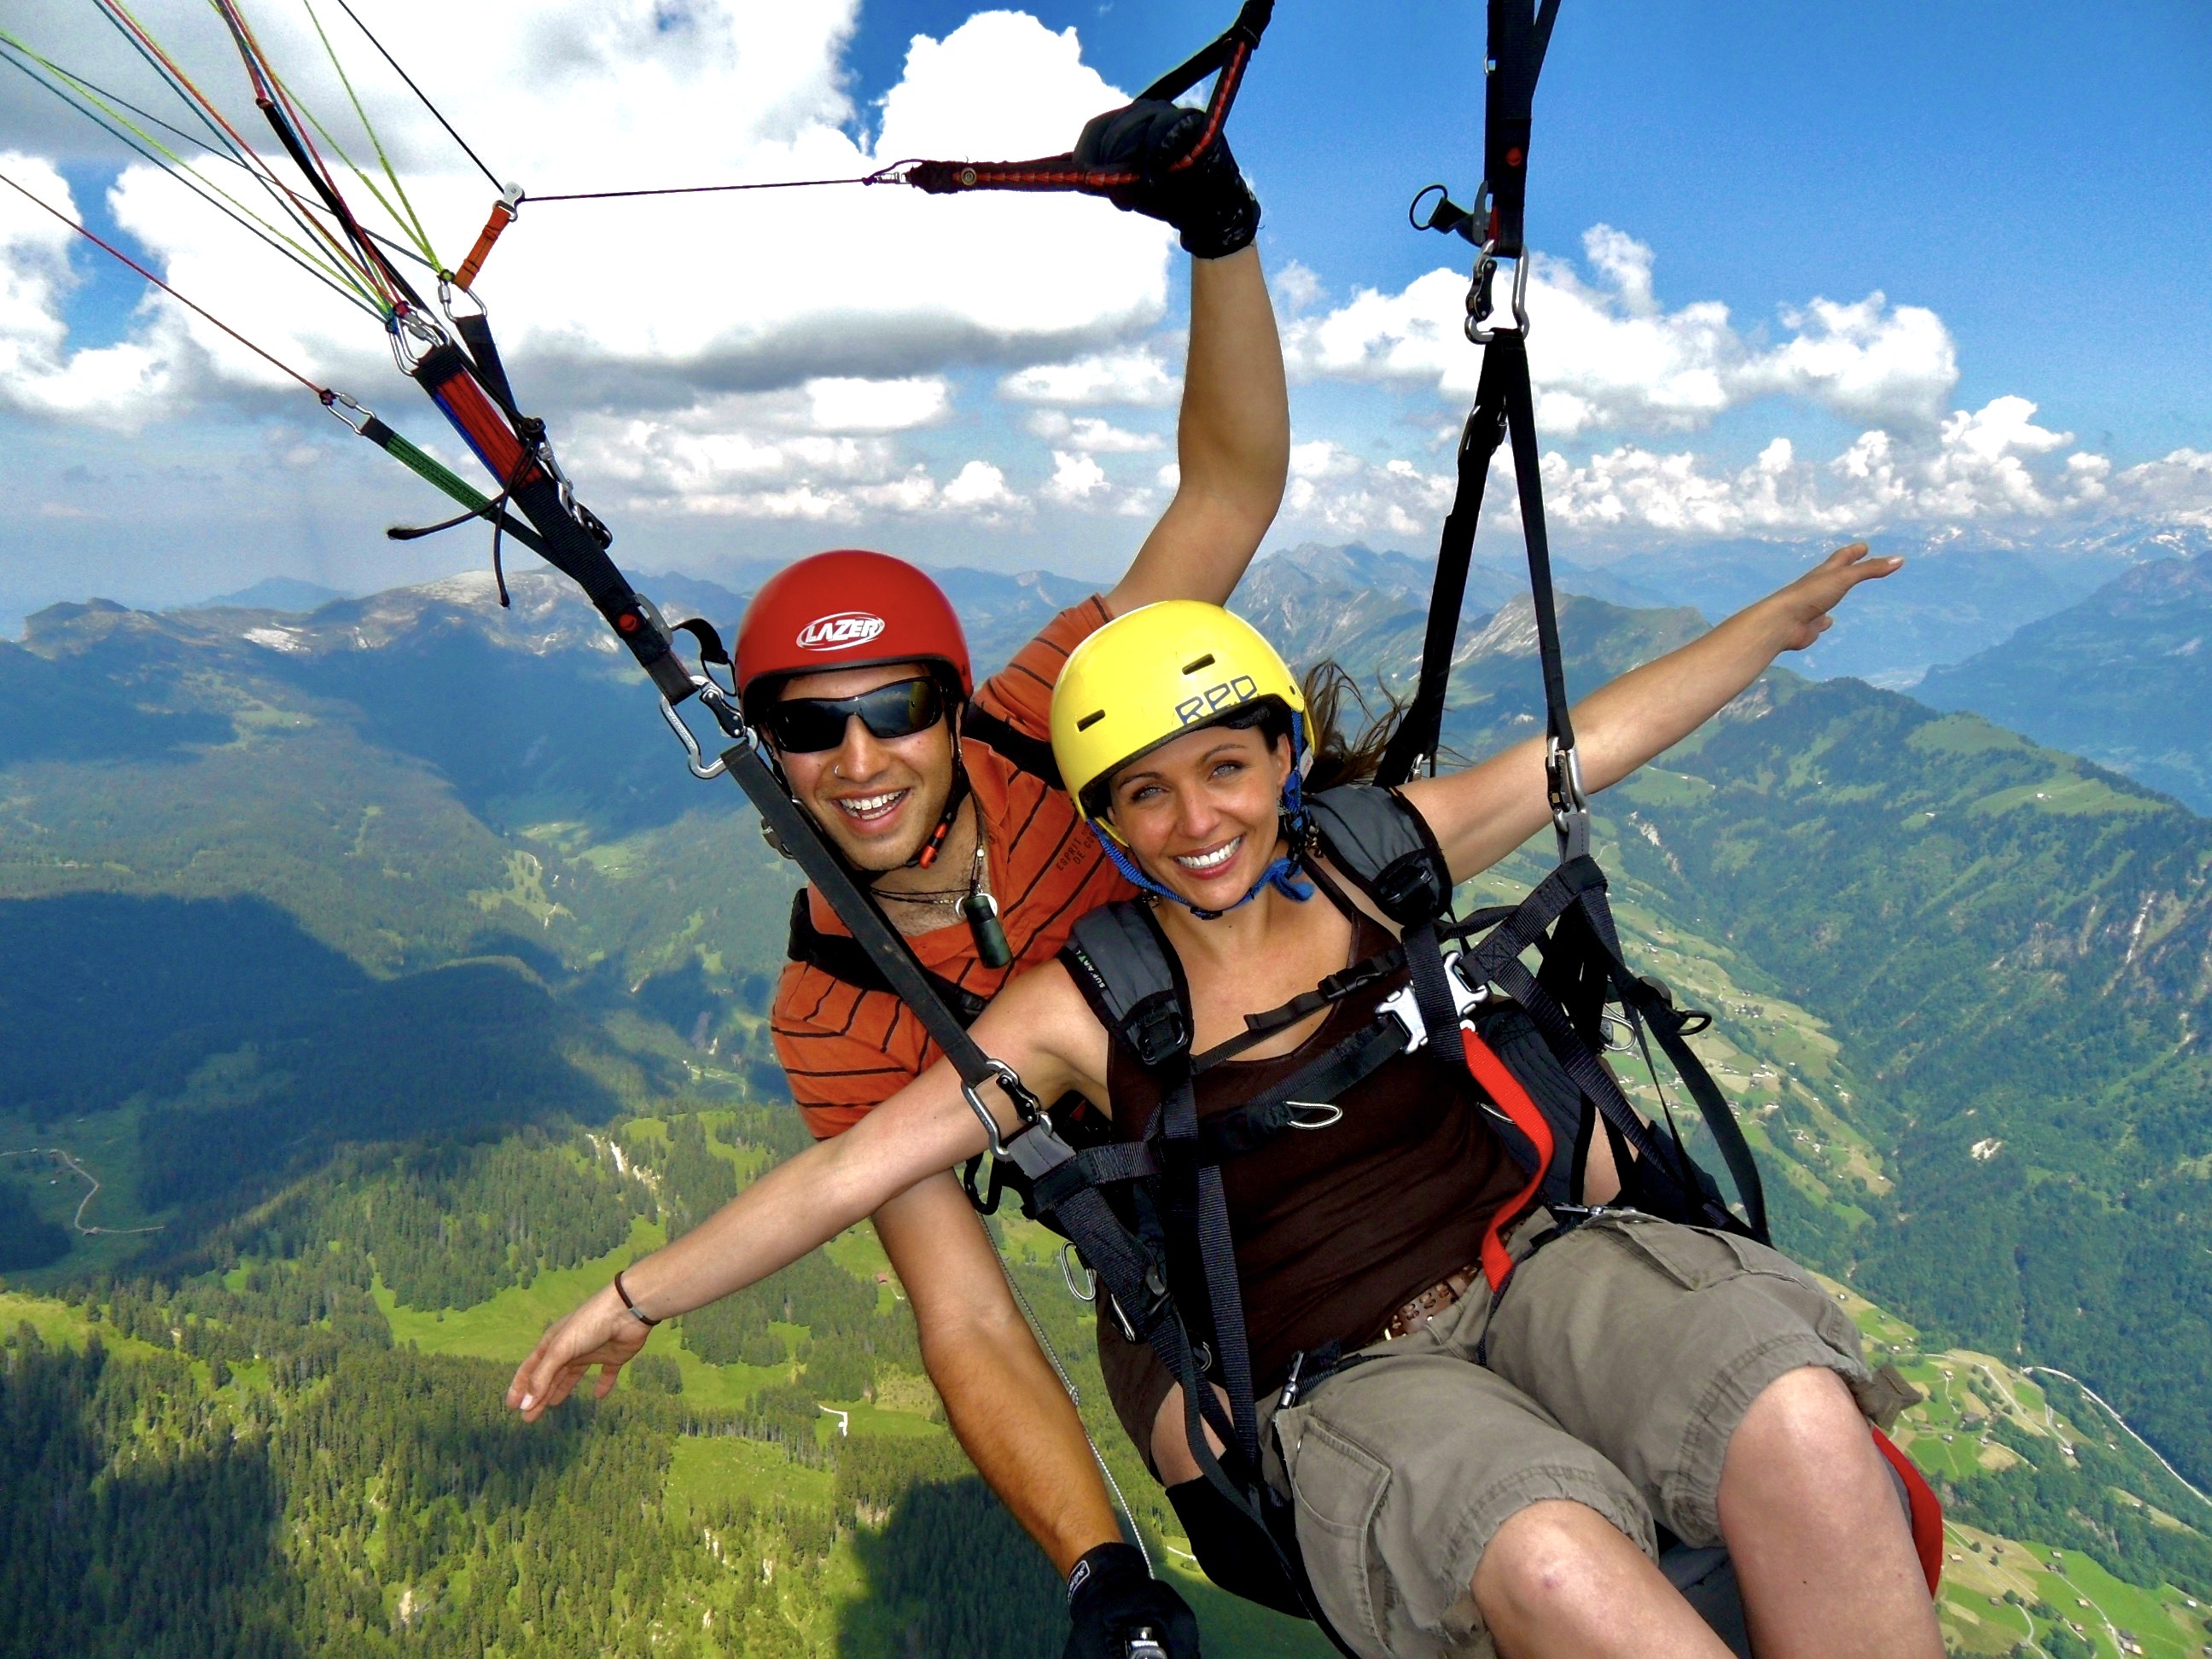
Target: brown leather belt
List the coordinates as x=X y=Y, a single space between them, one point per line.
x=1430 y=1303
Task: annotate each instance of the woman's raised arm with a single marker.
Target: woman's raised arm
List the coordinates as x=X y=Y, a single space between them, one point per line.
x=1035 y=1023
x=1480 y=814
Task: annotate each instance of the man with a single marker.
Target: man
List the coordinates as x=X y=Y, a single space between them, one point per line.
x=855 y=666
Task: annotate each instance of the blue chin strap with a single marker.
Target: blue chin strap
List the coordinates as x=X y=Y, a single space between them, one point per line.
x=1282 y=875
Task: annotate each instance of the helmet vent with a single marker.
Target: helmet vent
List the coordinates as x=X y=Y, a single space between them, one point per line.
x=1205 y=661
x=1093 y=719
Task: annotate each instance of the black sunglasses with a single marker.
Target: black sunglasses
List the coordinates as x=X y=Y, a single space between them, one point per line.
x=809 y=725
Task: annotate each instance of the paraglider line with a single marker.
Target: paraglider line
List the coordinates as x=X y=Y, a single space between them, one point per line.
x=274 y=362
x=881 y=176
x=423 y=95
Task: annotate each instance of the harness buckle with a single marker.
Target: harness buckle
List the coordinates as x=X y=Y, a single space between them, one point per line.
x=1401 y=1006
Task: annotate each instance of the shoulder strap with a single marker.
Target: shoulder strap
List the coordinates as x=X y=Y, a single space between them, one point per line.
x=1130 y=976
x=841 y=956
x=1386 y=847
x=1025 y=753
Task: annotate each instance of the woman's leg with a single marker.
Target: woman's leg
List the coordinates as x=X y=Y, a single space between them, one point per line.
x=1559 y=1579
x=1701 y=1364
x=1811 y=1518
x=1409 y=1469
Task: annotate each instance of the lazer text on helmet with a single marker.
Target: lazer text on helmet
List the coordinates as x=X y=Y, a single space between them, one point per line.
x=839 y=630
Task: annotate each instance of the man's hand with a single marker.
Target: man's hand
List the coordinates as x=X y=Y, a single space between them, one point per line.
x=1113 y=1601
x=1801 y=611
x=1207 y=199
x=602 y=1333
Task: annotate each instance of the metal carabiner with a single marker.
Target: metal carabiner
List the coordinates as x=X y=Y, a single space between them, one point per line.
x=1010 y=1080
x=694 y=756
x=1479 y=303
x=1089 y=1274
x=337 y=402
x=1563 y=776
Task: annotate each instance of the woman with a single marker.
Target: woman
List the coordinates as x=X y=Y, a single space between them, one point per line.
x=1489 y=1477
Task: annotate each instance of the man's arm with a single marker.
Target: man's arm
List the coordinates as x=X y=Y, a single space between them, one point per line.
x=1232 y=441
x=1012 y=1414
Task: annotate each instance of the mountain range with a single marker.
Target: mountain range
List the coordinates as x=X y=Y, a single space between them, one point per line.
x=2125 y=677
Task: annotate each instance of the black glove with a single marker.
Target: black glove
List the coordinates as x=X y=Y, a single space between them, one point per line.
x=1207 y=200
x=1112 y=1600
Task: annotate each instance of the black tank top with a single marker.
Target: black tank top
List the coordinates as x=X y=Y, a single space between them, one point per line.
x=1335 y=1229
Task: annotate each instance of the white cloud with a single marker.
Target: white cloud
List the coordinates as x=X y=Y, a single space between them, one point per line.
x=120 y=386
x=1090 y=433
x=1990 y=465
x=840 y=403
x=1608 y=354
x=1121 y=377
x=1332 y=491
x=1075 y=478
x=625 y=304
x=1296 y=287
x=1994 y=465
x=2176 y=489
x=981 y=486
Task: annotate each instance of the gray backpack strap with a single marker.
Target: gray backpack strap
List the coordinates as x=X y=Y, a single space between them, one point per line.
x=1386 y=849
x=1131 y=979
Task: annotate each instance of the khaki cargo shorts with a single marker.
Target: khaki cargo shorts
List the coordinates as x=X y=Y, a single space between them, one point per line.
x=1614 y=1371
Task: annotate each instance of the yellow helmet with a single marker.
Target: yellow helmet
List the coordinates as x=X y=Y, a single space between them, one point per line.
x=1151 y=675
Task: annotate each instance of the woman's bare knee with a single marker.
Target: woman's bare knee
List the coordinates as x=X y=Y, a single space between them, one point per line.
x=1560 y=1578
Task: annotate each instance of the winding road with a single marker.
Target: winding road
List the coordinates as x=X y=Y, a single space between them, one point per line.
x=62 y=1155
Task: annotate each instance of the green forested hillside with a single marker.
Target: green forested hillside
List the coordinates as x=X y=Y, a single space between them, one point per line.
x=373 y=984
x=2011 y=947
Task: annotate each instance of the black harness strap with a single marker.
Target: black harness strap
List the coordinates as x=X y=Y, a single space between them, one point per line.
x=1025 y=753
x=1420 y=728
x=844 y=959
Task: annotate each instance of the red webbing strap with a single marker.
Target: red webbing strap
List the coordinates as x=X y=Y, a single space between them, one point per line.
x=1927 y=1509
x=502 y=215
x=444 y=372
x=1506 y=1093
x=1231 y=52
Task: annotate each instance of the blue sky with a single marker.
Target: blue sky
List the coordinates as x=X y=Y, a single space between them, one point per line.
x=2023 y=191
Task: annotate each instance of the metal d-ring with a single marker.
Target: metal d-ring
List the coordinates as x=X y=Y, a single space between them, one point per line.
x=1314 y=1113
x=1090 y=1293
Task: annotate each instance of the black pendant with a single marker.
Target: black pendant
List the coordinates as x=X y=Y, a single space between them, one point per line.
x=982 y=913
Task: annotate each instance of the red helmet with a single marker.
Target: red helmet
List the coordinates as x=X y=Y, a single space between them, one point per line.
x=849 y=608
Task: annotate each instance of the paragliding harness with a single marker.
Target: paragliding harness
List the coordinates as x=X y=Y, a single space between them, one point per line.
x=1533 y=1040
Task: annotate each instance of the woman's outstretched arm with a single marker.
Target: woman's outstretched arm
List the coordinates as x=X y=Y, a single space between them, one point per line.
x=927 y=1126
x=1482 y=814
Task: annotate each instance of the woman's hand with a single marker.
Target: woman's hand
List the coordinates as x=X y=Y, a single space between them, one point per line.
x=1482 y=814
x=1800 y=611
x=602 y=1333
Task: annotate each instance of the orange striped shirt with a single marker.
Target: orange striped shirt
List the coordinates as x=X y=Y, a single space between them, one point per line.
x=847 y=1050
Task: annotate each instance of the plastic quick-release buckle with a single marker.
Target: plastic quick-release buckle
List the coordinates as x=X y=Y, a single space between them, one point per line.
x=1401 y=1006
